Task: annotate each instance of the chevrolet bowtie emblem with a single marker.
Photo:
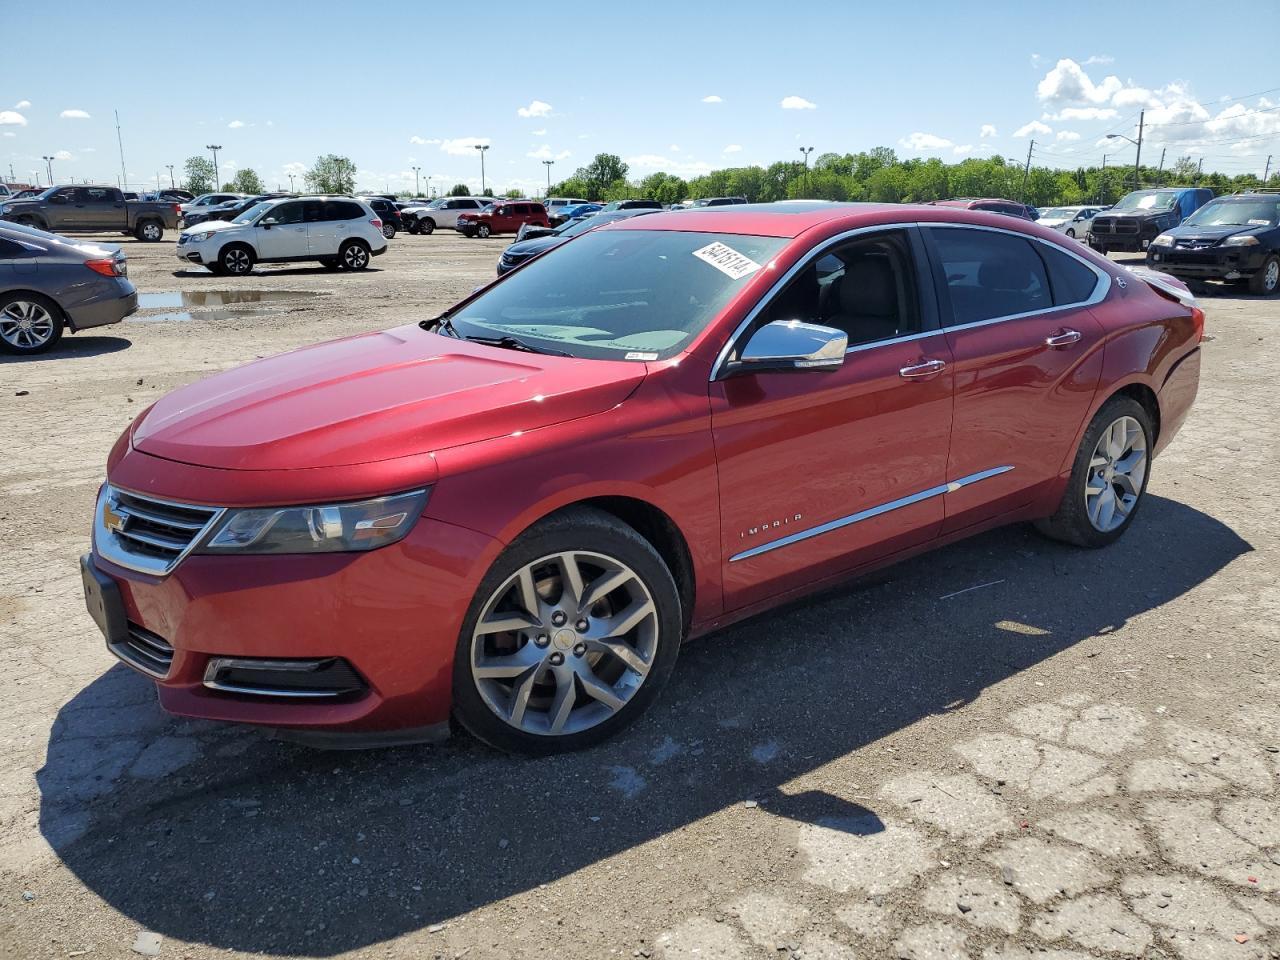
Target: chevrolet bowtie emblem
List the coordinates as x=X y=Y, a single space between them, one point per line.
x=111 y=518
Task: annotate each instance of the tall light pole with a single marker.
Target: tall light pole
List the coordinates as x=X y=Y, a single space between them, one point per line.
x=1137 y=160
x=124 y=177
x=171 y=183
x=483 y=148
x=548 y=163
x=806 y=151
x=291 y=189
x=48 y=163
x=416 y=191
x=214 y=148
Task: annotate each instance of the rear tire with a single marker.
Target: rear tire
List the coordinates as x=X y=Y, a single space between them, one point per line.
x=427 y=226
x=604 y=691
x=29 y=323
x=149 y=231
x=354 y=255
x=1108 y=478
x=389 y=231
x=237 y=259
x=1266 y=281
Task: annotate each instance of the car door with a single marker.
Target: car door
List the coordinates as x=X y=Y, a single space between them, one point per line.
x=1027 y=355
x=823 y=471
x=327 y=225
x=286 y=237
x=104 y=209
x=64 y=210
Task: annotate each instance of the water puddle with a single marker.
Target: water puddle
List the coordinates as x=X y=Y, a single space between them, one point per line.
x=239 y=303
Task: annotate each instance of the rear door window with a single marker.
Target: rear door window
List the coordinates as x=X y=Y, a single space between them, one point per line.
x=988 y=274
x=313 y=211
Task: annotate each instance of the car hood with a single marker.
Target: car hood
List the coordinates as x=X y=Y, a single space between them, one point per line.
x=377 y=396
x=531 y=248
x=1053 y=221
x=206 y=225
x=1185 y=232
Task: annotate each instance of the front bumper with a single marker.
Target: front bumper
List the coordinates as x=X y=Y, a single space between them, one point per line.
x=1207 y=263
x=393 y=615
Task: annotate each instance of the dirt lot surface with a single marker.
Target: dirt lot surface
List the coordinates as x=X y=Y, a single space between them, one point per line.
x=1008 y=749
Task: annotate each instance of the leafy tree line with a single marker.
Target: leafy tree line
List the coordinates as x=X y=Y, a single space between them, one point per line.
x=878 y=175
x=331 y=173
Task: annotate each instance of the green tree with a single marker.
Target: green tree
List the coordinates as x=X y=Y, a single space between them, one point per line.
x=601 y=173
x=332 y=174
x=246 y=181
x=199 y=175
x=459 y=190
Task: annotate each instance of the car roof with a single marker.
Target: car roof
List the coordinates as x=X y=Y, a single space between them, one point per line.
x=793 y=218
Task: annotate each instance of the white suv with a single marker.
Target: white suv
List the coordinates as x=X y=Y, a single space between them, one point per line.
x=340 y=232
x=441 y=214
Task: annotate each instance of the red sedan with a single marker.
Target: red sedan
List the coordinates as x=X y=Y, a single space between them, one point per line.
x=514 y=513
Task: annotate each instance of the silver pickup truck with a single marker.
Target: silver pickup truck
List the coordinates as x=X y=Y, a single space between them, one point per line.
x=92 y=209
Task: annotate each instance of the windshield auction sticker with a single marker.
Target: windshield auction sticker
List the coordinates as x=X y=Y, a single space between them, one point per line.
x=727 y=260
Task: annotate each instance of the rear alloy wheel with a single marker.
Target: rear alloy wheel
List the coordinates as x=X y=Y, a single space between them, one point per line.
x=354 y=255
x=1267 y=280
x=149 y=231
x=389 y=230
x=1071 y=232
x=1108 y=478
x=570 y=636
x=482 y=231
x=236 y=260
x=427 y=226
x=29 y=323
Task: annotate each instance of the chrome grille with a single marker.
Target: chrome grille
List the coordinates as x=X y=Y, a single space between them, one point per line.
x=148 y=534
x=145 y=651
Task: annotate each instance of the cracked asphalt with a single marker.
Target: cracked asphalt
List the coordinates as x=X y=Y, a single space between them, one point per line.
x=1081 y=758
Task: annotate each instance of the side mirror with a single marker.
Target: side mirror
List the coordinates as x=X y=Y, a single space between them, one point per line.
x=791 y=345
x=268 y=223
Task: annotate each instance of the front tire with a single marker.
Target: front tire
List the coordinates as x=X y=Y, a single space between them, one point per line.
x=354 y=255
x=482 y=231
x=1108 y=478
x=29 y=323
x=570 y=636
x=413 y=227
x=1071 y=232
x=236 y=260
x=1266 y=281
x=427 y=226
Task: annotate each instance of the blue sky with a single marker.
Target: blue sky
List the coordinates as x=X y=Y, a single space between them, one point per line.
x=683 y=87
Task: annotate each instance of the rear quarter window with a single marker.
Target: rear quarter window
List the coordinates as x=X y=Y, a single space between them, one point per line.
x=1070 y=280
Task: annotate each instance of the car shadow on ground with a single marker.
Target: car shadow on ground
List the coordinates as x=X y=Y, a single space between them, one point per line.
x=267 y=271
x=72 y=346
x=223 y=836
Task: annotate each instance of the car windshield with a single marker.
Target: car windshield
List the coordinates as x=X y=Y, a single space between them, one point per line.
x=1146 y=200
x=618 y=294
x=253 y=212
x=1057 y=213
x=1242 y=213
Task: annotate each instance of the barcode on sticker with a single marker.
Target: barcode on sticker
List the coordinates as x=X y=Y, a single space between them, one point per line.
x=640 y=356
x=727 y=260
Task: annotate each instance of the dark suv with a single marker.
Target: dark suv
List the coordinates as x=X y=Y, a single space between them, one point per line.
x=1231 y=238
x=1142 y=215
x=388 y=213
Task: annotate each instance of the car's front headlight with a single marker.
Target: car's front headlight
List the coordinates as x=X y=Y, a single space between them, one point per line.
x=5 y=208
x=201 y=236
x=1247 y=240
x=336 y=528
x=1164 y=240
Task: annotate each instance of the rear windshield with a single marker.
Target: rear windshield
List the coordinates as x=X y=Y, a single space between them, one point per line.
x=619 y=294
x=1262 y=212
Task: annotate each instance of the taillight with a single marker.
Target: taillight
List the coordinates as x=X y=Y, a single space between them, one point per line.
x=377 y=224
x=1197 y=318
x=108 y=268
x=177 y=208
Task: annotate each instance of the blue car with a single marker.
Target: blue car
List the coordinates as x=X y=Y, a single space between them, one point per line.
x=565 y=214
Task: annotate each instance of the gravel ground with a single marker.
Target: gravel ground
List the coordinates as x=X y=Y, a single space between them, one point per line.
x=1080 y=758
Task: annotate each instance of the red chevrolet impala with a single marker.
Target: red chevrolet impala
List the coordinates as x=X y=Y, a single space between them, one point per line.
x=514 y=513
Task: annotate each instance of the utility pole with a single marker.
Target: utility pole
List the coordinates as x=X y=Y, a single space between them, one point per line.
x=416 y=191
x=1160 y=169
x=214 y=147
x=1022 y=194
x=548 y=163
x=48 y=162
x=1199 y=170
x=1102 y=181
x=171 y=183
x=483 y=148
x=1137 y=160
x=1267 y=171
x=124 y=177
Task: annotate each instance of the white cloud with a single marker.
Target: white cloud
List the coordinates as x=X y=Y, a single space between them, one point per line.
x=797 y=103
x=22 y=104
x=925 y=141
x=1084 y=113
x=62 y=155
x=712 y=99
x=271 y=123
x=544 y=153
x=10 y=133
x=1035 y=126
x=733 y=148
x=1101 y=59
x=535 y=109
x=653 y=161
x=540 y=133
x=1068 y=83
x=296 y=168
x=988 y=130
x=461 y=146
x=235 y=124
x=1068 y=135
x=11 y=118
x=419 y=141
x=960 y=149
x=74 y=115
x=88 y=149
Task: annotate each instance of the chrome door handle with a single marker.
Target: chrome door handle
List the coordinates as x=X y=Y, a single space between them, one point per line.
x=1064 y=339
x=925 y=369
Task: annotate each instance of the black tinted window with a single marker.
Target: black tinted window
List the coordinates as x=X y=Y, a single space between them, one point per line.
x=342 y=210
x=990 y=274
x=866 y=288
x=313 y=211
x=286 y=213
x=1071 y=280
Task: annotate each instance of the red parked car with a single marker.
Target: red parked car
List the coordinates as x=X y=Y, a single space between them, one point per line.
x=504 y=216
x=513 y=514
x=1010 y=208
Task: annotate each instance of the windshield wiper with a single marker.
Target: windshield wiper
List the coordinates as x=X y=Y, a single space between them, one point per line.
x=441 y=322
x=509 y=342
